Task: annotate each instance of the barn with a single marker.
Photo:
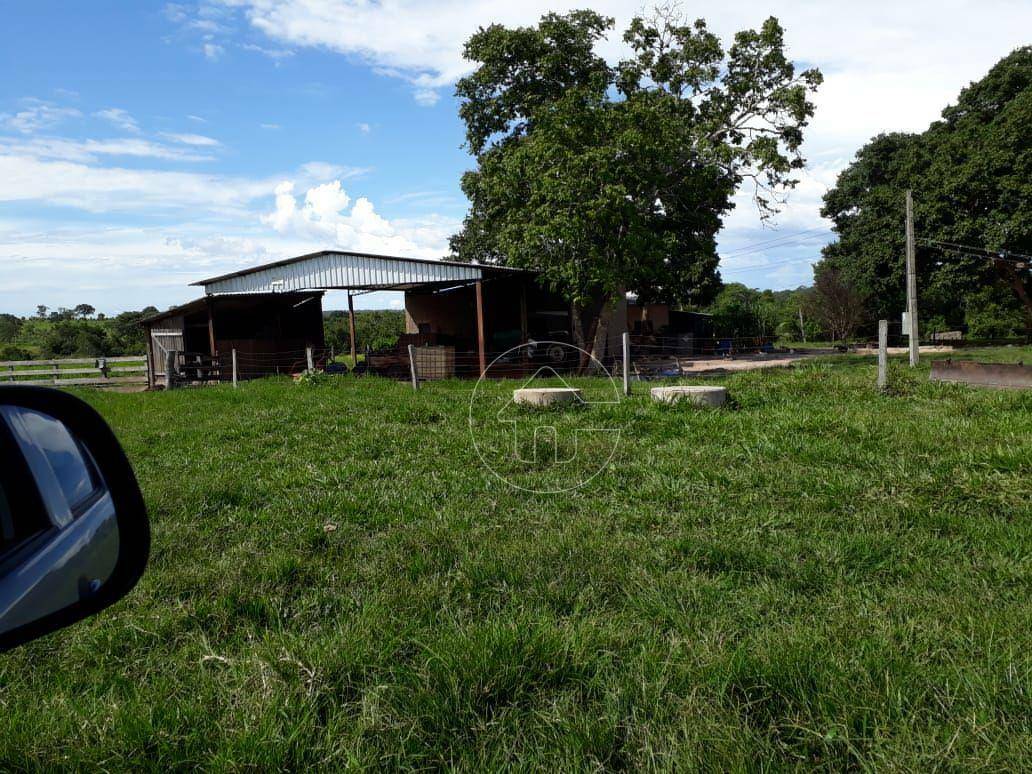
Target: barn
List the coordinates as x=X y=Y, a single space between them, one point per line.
x=459 y=315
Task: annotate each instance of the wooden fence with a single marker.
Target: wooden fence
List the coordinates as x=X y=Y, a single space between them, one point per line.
x=93 y=371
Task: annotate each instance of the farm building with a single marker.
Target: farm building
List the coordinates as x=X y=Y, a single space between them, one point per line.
x=459 y=315
x=272 y=329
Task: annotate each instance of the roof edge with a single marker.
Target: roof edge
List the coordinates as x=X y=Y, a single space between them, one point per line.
x=320 y=253
x=172 y=311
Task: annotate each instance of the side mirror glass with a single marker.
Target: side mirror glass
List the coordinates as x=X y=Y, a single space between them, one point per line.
x=74 y=536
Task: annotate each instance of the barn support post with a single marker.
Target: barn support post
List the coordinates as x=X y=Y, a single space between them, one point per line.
x=480 y=327
x=235 y=372
x=351 y=328
x=310 y=360
x=211 y=330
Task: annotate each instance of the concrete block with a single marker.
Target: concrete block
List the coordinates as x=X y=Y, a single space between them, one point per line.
x=546 y=396
x=699 y=396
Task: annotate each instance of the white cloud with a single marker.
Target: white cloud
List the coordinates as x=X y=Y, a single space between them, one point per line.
x=89 y=151
x=270 y=126
x=191 y=139
x=275 y=54
x=107 y=189
x=38 y=115
x=329 y=217
x=364 y=128
x=899 y=61
x=30 y=177
x=119 y=118
x=197 y=119
x=426 y=97
x=212 y=51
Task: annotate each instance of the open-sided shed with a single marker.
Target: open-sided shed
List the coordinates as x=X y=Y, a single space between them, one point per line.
x=467 y=308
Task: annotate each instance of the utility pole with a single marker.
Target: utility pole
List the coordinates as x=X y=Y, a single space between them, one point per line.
x=911 y=282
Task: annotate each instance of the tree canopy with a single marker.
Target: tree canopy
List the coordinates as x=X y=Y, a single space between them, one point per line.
x=971 y=174
x=616 y=178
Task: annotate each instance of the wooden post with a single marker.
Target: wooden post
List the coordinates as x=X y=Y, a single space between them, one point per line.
x=912 y=282
x=351 y=326
x=412 y=367
x=626 y=363
x=170 y=367
x=308 y=357
x=211 y=330
x=234 y=368
x=480 y=327
x=150 y=360
x=883 y=354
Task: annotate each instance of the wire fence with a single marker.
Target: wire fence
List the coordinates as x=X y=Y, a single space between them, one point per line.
x=647 y=357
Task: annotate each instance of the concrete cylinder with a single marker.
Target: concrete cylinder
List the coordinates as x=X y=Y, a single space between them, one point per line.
x=546 y=396
x=698 y=396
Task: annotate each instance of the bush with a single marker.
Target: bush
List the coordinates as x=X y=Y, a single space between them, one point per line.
x=11 y=352
x=991 y=313
x=68 y=338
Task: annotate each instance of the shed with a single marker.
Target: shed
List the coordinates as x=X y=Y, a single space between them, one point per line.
x=273 y=327
x=473 y=309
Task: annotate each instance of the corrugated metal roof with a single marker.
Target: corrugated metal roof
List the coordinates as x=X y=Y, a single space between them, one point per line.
x=330 y=270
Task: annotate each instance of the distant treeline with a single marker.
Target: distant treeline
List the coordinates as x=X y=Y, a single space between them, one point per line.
x=78 y=332
x=82 y=332
x=375 y=328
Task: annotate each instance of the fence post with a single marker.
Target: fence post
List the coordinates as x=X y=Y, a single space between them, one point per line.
x=308 y=356
x=234 y=369
x=883 y=354
x=412 y=367
x=626 y=363
x=170 y=367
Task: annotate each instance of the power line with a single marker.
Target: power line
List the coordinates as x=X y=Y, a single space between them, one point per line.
x=774 y=264
x=792 y=236
x=981 y=252
x=801 y=241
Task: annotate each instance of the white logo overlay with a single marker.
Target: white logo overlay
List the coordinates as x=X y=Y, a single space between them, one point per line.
x=555 y=447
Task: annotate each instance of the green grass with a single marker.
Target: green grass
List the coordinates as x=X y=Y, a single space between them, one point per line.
x=819 y=575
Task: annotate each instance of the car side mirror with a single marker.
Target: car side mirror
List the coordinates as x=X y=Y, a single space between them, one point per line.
x=74 y=535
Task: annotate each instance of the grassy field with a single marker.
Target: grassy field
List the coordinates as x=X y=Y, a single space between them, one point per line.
x=817 y=575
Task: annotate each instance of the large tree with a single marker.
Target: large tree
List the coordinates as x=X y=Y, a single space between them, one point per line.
x=610 y=179
x=971 y=174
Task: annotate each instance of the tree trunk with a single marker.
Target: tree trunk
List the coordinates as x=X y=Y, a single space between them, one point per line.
x=600 y=340
x=592 y=338
x=1018 y=284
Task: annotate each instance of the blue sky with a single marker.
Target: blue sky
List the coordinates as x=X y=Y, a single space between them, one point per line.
x=147 y=145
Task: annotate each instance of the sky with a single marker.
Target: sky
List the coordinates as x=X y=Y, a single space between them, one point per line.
x=144 y=146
